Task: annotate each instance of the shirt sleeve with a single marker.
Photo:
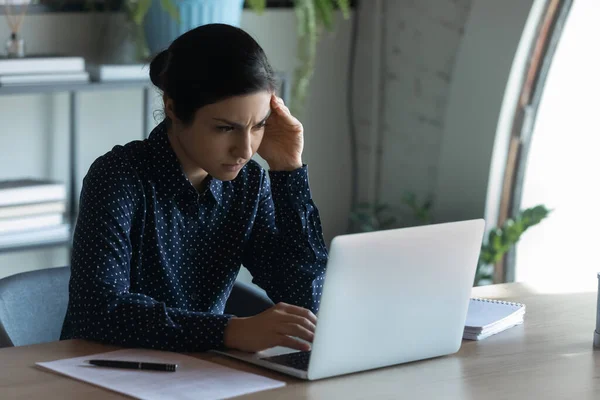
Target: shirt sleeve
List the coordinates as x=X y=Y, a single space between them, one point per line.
x=102 y=305
x=286 y=253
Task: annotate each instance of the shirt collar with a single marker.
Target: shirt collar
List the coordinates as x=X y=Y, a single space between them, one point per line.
x=165 y=166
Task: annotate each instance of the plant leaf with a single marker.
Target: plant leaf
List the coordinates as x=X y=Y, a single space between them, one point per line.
x=258 y=6
x=366 y=228
x=381 y=207
x=409 y=199
x=300 y=11
x=307 y=53
x=170 y=8
x=387 y=222
x=344 y=6
x=324 y=10
x=140 y=11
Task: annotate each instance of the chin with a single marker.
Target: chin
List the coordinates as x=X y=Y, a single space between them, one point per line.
x=227 y=173
x=227 y=176
x=223 y=174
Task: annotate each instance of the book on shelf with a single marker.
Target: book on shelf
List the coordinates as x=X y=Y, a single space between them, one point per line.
x=24 y=210
x=30 y=222
x=56 y=234
x=118 y=72
x=28 y=191
x=38 y=79
x=41 y=64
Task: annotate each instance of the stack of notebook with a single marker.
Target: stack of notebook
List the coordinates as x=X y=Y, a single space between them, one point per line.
x=118 y=72
x=488 y=317
x=37 y=69
x=32 y=212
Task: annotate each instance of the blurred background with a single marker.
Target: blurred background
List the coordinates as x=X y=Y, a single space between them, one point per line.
x=415 y=112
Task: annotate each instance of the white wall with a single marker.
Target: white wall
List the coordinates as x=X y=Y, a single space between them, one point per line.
x=483 y=66
x=34 y=130
x=422 y=39
x=406 y=59
x=444 y=70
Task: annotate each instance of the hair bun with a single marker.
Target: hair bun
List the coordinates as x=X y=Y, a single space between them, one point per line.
x=158 y=67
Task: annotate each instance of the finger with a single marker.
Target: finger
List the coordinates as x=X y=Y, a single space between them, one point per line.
x=280 y=108
x=276 y=102
x=293 y=343
x=298 y=320
x=287 y=117
x=295 y=330
x=302 y=312
x=279 y=103
x=284 y=110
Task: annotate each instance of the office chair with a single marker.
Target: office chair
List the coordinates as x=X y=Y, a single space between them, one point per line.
x=33 y=305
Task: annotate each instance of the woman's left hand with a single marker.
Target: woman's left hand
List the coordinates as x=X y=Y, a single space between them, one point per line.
x=283 y=140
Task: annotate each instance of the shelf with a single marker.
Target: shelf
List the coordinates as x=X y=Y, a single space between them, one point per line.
x=24 y=242
x=21 y=242
x=74 y=87
x=37 y=239
x=35 y=245
x=83 y=6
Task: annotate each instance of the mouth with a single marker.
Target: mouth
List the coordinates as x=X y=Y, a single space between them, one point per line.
x=233 y=167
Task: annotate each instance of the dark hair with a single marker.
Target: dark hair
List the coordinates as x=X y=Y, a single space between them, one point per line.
x=208 y=64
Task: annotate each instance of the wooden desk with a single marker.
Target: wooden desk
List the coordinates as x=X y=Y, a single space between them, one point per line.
x=549 y=357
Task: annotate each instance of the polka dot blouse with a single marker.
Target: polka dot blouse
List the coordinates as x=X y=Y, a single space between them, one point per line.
x=154 y=260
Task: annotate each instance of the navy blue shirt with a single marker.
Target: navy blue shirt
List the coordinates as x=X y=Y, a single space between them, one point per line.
x=154 y=260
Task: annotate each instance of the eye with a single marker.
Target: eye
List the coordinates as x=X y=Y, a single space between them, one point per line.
x=225 y=128
x=261 y=125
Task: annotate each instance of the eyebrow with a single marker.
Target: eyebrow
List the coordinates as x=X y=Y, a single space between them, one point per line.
x=240 y=126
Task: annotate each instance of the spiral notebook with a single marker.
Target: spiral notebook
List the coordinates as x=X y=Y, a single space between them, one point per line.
x=487 y=317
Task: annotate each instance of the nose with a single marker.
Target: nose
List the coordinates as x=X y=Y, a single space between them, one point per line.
x=242 y=148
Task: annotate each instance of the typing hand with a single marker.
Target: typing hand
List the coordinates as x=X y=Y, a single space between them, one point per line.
x=280 y=325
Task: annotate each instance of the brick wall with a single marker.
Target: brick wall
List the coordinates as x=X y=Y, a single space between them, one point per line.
x=419 y=41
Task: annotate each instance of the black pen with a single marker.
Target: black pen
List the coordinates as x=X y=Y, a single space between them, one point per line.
x=134 y=365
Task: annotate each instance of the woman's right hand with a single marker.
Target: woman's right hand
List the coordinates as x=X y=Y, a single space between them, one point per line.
x=280 y=325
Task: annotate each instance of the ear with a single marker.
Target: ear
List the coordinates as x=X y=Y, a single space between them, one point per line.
x=169 y=108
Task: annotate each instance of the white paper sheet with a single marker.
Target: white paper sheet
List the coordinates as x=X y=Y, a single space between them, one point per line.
x=194 y=378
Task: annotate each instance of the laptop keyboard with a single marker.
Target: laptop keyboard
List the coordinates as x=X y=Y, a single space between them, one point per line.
x=298 y=360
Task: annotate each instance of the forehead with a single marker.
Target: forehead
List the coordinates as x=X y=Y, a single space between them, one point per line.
x=250 y=105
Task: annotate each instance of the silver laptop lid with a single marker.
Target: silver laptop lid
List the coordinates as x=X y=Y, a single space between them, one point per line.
x=395 y=296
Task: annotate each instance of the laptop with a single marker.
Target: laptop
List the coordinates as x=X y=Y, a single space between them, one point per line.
x=389 y=297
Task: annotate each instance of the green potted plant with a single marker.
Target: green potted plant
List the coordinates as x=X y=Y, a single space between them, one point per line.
x=136 y=12
x=147 y=20
x=311 y=16
x=367 y=217
x=165 y=20
x=501 y=239
x=124 y=40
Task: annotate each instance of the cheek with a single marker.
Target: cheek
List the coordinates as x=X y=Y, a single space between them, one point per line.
x=199 y=143
x=257 y=140
x=218 y=147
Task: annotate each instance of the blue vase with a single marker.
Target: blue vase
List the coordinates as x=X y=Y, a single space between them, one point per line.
x=161 y=29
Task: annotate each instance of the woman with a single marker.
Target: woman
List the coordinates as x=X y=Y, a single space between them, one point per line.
x=165 y=223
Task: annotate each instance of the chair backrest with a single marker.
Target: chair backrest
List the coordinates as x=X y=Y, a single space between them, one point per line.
x=33 y=305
